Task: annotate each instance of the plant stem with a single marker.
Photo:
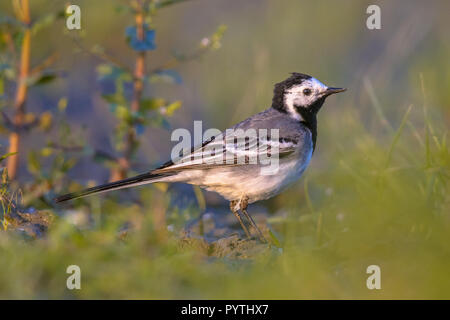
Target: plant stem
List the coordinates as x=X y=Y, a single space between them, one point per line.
x=22 y=89
x=138 y=84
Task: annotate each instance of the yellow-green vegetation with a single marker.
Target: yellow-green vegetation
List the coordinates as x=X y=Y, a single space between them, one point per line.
x=382 y=201
x=377 y=191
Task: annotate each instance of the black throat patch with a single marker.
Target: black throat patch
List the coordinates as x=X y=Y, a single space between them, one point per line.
x=309 y=120
x=309 y=117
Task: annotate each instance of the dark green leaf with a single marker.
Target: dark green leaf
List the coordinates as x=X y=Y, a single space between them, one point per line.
x=151 y=104
x=45 y=79
x=3 y=157
x=114 y=98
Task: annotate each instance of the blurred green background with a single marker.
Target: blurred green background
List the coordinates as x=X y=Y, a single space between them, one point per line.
x=375 y=193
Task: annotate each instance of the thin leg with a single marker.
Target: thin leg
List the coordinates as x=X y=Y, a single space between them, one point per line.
x=244 y=205
x=233 y=209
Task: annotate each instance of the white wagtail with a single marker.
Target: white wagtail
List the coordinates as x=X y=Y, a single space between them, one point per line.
x=293 y=114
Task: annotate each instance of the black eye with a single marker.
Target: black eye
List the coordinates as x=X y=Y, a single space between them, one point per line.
x=306 y=92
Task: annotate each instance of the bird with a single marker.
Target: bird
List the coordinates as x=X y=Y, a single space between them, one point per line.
x=292 y=122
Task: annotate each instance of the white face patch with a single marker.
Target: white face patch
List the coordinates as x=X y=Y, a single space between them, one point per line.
x=297 y=96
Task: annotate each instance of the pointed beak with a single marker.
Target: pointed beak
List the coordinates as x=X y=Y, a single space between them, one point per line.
x=331 y=90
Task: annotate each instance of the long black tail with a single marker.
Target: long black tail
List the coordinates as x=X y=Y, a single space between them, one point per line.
x=125 y=183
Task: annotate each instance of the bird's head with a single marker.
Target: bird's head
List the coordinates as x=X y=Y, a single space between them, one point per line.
x=301 y=94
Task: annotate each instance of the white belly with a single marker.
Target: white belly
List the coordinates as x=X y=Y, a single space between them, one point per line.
x=233 y=183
